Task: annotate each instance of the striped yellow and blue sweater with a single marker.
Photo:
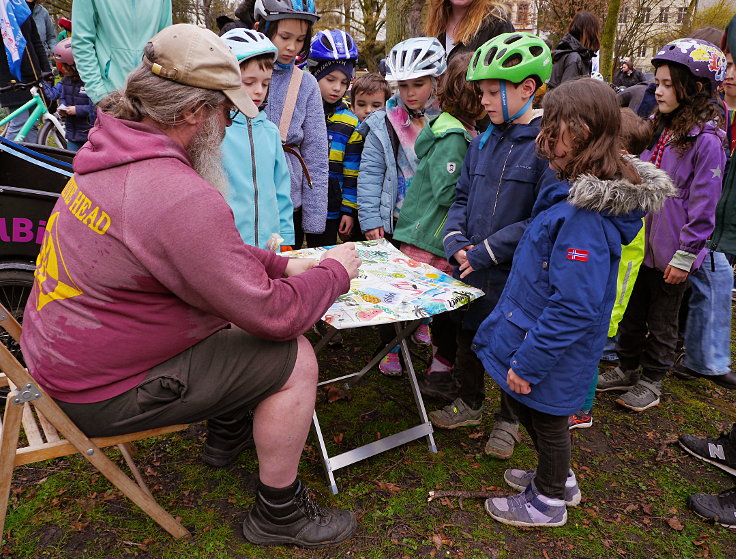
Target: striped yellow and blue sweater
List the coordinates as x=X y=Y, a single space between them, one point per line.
x=345 y=145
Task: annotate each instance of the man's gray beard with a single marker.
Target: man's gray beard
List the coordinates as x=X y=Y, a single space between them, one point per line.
x=206 y=154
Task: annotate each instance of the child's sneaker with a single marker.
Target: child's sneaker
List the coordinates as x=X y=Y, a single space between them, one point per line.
x=720 y=452
x=421 y=335
x=616 y=379
x=716 y=508
x=455 y=415
x=502 y=440
x=520 y=479
x=390 y=365
x=529 y=508
x=440 y=385
x=642 y=396
x=581 y=420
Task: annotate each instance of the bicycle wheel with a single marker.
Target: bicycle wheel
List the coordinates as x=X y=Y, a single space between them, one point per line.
x=50 y=136
x=15 y=287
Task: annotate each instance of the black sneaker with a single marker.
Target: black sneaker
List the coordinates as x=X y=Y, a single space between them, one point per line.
x=300 y=521
x=720 y=452
x=439 y=385
x=717 y=508
x=227 y=438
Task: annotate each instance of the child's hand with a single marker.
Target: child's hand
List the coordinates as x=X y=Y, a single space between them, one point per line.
x=375 y=234
x=346 y=225
x=517 y=384
x=466 y=268
x=674 y=275
x=298 y=265
x=71 y=111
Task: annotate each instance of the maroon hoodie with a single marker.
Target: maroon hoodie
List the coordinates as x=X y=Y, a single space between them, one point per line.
x=141 y=260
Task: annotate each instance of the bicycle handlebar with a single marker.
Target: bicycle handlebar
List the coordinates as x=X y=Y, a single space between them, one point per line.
x=25 y=85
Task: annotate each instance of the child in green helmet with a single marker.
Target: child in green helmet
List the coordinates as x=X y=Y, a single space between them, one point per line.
x=498 y=185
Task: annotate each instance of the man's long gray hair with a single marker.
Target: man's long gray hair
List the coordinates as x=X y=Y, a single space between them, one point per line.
x=164 y=101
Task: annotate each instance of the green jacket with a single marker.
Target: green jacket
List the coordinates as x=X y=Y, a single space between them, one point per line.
x=109 y=36
x=632 y=255
x=441 y=148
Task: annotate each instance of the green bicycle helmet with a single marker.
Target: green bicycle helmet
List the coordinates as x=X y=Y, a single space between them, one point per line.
x=512 y=57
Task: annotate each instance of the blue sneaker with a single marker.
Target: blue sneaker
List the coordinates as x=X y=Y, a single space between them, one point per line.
x=529 y=508
x=520 y=480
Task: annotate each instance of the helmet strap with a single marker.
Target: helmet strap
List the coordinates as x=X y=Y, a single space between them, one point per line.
x=506 y=117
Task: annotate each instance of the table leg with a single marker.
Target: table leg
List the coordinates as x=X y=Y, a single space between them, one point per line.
x=325 y=456
x=415 y=389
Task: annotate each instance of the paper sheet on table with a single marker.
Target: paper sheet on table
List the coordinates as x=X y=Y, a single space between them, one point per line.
x=392 y=287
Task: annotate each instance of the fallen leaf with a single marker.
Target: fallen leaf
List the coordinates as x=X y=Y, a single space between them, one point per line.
x=475 y=435
x=338 y=438
x=79 y=526
x=675 y=523
x=390 y=487
x=647 y=509
x=437 y=541
x=335 y=393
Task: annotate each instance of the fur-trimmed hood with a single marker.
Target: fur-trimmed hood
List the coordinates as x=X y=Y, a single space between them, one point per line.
x=619 y=196
x=619 y=200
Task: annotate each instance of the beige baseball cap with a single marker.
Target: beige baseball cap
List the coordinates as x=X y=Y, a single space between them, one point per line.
x=195 y=56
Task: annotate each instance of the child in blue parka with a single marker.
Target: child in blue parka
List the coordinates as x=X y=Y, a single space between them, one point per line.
x=499 y=182
x=259 y=185
x=543 y=340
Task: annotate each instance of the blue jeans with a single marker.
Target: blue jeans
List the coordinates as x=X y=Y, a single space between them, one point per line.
x=17 y=123
x=74 y=146
x=708 y=329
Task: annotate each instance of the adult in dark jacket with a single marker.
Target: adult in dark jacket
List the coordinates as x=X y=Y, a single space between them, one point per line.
x=573 y=57
x=44 y=25
x=244 y=17
x=464 y=25
x=627 y=75
x=34 y=64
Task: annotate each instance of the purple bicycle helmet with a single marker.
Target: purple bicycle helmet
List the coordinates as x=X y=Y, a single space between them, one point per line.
x=703 y=59
x=333 y=44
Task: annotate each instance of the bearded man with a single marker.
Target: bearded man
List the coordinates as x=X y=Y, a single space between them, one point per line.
x=148 y=309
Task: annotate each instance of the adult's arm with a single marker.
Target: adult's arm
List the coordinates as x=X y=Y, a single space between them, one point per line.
x=84 y=24
x=49 y=31
x=213 y=270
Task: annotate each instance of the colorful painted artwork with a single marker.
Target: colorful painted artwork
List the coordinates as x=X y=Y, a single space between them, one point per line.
x=392 y=287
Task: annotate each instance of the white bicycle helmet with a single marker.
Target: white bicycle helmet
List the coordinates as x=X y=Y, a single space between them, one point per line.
x=273 y=10
x=416 y=58
x=247 y=43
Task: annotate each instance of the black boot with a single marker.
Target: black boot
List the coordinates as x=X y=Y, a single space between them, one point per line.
x=227 y=437
x=298 y=521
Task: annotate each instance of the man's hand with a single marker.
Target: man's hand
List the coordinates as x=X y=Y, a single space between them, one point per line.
x=374 y=234
x=346 y=255
x=517 y=384
x=346 y=225
x=298 y=265
x=674 y=275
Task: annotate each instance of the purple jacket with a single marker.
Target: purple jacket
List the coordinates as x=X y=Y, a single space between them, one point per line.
x=686 y=221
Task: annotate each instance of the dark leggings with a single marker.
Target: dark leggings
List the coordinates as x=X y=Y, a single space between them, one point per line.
x=314 y=240
x=551 y=438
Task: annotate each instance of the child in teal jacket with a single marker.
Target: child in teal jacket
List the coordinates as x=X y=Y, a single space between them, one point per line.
x=259 y=184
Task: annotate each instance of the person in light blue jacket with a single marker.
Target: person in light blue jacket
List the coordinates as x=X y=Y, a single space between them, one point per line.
x=259 y=184
x=109 y=36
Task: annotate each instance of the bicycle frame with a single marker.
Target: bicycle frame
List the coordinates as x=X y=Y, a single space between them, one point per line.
x=38 y=113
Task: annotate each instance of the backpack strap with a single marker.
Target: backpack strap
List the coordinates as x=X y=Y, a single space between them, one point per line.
x=290 y=102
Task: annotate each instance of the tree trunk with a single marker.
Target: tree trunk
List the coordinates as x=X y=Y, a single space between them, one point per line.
x=608 y=40
x=397 y=19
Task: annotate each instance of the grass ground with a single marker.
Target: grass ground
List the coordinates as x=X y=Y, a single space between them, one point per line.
x=634 y=479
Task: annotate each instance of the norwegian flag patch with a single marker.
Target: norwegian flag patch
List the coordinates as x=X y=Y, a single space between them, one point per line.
x=577 y=254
